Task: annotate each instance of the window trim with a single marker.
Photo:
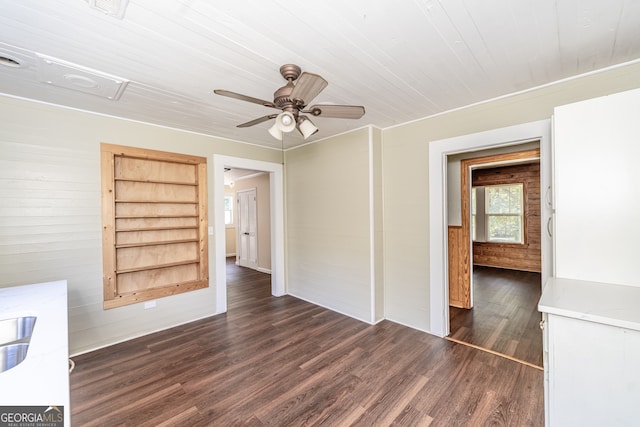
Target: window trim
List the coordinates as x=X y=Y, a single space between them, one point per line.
x=521 y=215
x=232 y=224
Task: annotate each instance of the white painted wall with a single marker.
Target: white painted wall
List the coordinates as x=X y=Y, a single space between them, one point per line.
x=597 y=189
x=50 y=214
x=230 y=241
x=406 y=163
x=328 y=224
x=230 y=230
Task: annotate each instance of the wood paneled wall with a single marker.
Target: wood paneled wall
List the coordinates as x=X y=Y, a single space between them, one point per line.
x=525 y=256
x=459 y=274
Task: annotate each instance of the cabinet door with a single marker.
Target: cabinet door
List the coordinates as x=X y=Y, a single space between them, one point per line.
x=597 y=196
x=593 y=375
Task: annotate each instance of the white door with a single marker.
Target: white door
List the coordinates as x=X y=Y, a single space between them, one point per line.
x=247 y=229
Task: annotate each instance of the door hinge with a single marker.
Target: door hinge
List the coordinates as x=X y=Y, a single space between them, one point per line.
x=542 y=325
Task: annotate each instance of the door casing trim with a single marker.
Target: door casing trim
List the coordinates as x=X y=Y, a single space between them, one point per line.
x=276 y=185
x=438 y=251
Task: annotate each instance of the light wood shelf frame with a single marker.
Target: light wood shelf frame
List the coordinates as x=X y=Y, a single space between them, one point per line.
x=138 y=268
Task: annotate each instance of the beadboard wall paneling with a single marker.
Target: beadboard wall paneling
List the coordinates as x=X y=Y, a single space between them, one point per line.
x=50 y=207
x=49 y=215
x=328 y=232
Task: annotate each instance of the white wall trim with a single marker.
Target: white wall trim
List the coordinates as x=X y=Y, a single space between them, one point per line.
x=438 y=152
x=372 y=248
x=276 y=183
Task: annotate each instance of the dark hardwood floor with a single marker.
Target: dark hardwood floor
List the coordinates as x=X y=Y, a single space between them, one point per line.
x=285 y=362
x=505 y=318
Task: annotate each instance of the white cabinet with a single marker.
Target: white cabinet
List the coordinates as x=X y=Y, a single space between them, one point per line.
x=592 y=305
x=596 y=151
x=592 y=337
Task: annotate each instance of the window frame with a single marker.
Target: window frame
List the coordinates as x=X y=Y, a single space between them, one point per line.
x=520 y=215
x=473 y=200
x=231 y=197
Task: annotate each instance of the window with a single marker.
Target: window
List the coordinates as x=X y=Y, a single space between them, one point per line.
x=228 y=210
x=504 y=213
x=473 y=213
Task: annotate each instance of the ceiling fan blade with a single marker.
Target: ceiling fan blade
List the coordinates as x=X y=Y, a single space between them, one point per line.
x=257 y=121
x=307 y=87
x=244 y=97
x=336 y=111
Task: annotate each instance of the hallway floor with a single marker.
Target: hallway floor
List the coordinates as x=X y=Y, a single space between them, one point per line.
x=505 y=317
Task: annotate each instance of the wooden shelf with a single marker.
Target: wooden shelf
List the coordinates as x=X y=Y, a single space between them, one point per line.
x=169 y=202
x=153 y=216
x=192 y=184
x=184 y=227
x=157 y=267
x=163 y=242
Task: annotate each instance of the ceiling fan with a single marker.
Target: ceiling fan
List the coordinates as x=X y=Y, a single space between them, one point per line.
x=292 y=99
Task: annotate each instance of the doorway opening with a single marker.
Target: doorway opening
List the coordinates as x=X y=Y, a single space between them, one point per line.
x=276 y=223
x=438 y=210
x=495 y=254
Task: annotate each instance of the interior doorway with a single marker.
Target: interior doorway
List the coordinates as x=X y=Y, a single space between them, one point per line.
x=500 y=204
x=460 y=237
x=438 y=211
x=276 y=196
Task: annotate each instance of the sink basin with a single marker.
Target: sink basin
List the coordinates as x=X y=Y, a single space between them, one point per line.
x=15 y=336
x=18 y=329
x=12 y=355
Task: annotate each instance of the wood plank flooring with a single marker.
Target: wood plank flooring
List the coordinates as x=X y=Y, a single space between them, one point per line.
x=505 y=318
x=285 y=362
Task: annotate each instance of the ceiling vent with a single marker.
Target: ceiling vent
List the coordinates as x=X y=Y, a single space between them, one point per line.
x=115 y=8
x=63 y=74
x=14 y=57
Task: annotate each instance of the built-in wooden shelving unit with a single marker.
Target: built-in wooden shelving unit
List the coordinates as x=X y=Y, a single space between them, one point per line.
x=155 y=224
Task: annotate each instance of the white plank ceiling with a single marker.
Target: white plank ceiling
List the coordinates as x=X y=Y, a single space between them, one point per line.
x=402 y=60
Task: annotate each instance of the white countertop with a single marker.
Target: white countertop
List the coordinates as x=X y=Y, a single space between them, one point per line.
x=615 y=305
x=43 y=377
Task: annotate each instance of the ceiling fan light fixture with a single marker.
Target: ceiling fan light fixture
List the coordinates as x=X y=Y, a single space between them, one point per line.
x=275 y=132
x=285 y=121
x=306 y=127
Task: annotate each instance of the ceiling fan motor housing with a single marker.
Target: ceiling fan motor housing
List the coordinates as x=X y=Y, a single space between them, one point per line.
x=282 y=97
